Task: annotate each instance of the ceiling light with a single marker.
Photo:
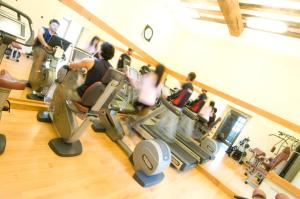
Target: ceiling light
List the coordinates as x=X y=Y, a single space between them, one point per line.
x=266 y=25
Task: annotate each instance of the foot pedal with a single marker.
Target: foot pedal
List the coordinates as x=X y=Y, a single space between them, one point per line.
x=44 y=116
x=98 y=127
x=2 y=143
x=35 y=97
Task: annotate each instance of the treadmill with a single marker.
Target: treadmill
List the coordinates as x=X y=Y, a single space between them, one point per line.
x=182 y=157
x=190 y=143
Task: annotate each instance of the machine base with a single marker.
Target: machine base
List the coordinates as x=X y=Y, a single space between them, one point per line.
x=2 y=143
x=35 y=97
x=63 y=149
x=43 y=116
x=147 y=181
x=98 y=127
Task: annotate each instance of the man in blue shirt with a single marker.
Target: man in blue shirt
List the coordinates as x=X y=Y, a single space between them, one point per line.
x=39 y=50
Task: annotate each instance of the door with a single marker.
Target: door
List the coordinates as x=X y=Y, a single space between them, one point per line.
x=231 y=127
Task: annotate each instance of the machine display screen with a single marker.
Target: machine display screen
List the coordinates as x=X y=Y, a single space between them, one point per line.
x=11 y=26
x=132 y=73
x=79 y=55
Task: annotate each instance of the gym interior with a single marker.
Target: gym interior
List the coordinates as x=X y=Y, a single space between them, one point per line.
x=149 y=99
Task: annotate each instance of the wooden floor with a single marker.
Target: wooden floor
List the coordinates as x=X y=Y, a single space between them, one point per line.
x=19 y=70
x=229 y=173
x=29 y=169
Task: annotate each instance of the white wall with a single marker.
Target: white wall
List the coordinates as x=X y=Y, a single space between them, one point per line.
x=54 y=9
x=259 y=68
x=131 y=16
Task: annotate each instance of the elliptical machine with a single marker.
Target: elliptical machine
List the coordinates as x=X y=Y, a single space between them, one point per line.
x=47 y=72
x=149 y=157
x=62 y=111
x=7 y=36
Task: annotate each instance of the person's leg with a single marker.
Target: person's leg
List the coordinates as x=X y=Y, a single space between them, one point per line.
x=144 y=111
x=39 y=55
x=72 y=94
x=49 y=74
x=141 y=109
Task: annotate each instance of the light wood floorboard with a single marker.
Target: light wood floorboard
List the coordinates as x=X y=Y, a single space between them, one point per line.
x=29 y=169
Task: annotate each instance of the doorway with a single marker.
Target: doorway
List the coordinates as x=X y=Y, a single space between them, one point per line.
x=231 y=127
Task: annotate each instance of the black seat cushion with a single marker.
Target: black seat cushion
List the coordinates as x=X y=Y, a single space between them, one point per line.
x=92 y=94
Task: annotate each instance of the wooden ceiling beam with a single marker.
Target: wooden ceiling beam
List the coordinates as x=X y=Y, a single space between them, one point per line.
x=244 y=16
x=209 y=12
x=232 y=15
x=222 y=21
x=254 y=7
x=293 y=27
x=263 y=8
x=211 y=19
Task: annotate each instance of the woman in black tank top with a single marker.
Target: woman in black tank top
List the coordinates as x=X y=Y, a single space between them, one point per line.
x=96 y=67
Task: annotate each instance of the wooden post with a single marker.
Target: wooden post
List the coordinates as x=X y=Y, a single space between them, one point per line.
x=232 y=15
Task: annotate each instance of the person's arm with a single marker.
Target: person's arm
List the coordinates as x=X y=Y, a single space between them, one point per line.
x=159 y=90
x=121 y=57
x=120 y=62
x=40 y=37
x=84 y=63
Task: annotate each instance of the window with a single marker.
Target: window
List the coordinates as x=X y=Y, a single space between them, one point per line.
x=64 y=26
x=70 y=30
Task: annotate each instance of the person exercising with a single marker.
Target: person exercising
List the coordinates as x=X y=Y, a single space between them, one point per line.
x=149 y=88
x=207 y=112
x=39 y=50
x=93 y=45
x=169 y=120
x=124 y=60
x=212 y=117
x=145 y=69
x=96 y=69
x=198 y=103
x=181 y=97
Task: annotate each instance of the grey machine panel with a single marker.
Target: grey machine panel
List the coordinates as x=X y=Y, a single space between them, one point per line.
x=195 y=148
x=181 y=159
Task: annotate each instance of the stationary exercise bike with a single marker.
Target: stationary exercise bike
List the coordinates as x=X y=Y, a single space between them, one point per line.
x=7 y=36
x=63 y=111
x=47 y=72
